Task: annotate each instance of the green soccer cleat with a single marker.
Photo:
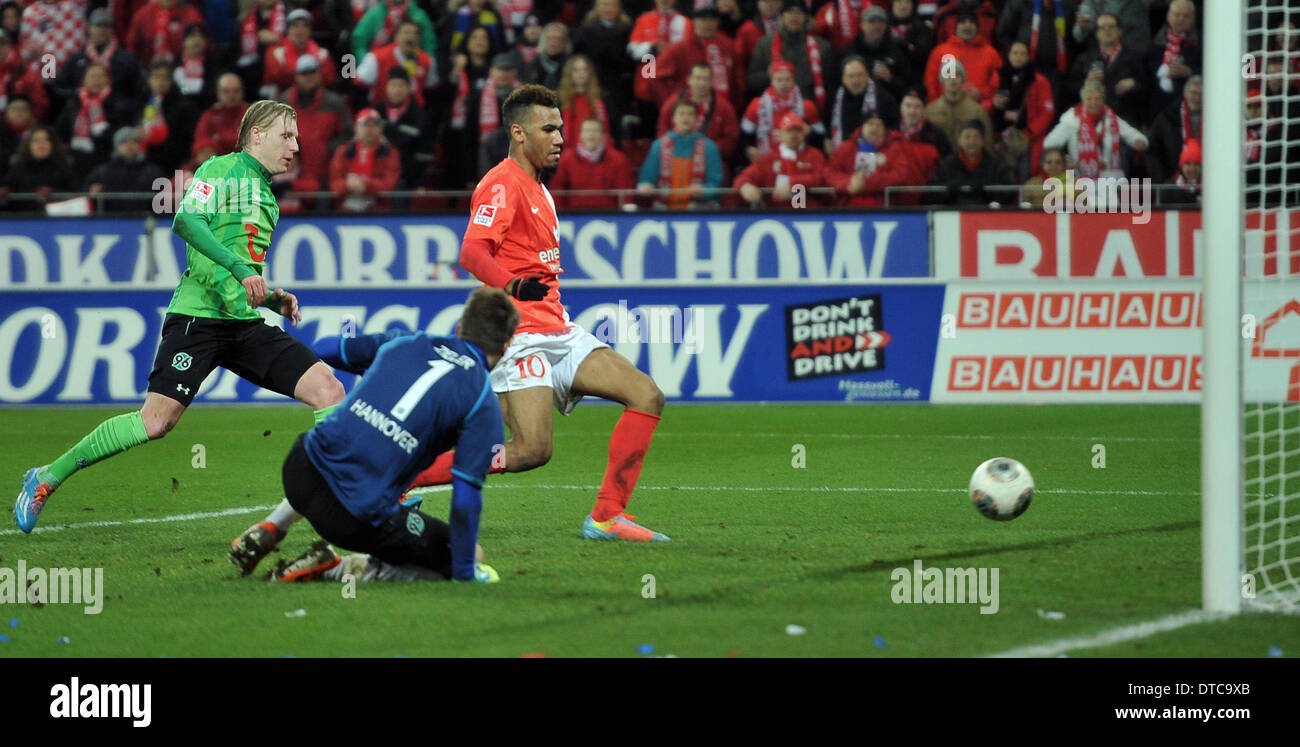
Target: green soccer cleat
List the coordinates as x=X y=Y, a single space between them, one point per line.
x=620 y=528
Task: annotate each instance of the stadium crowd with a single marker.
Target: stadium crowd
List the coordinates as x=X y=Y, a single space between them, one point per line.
x=767 y=103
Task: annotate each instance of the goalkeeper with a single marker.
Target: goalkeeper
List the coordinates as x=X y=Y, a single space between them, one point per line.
x=420 y=396
x=226 y=220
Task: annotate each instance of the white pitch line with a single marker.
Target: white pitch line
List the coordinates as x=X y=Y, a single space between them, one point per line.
x=1114 y=635
x=145 y=520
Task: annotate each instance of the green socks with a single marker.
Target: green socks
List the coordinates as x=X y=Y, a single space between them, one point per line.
x=323 y=413
x=113 y=436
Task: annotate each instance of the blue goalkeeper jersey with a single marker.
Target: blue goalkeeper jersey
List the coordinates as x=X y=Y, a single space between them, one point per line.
x=420 y=396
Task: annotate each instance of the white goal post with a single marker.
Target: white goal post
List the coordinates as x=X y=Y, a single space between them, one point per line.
x=1222 y=230
x=1250 y=409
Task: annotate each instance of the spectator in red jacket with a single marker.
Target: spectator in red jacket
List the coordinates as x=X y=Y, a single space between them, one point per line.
x=652 y=33
x=218 y=130
x=927 y=144
x=404 y=51
x=580 y=95
x=766 y=22
x=158 y=30
x=948 y=16
x=281 y=61
x=762 y=114
x=978 y=56
x=839 y=20
x=1022 y=109
x=874 y=158
x=360 y=170
x=16 y=79
x=592 y=164
x=262 y=27
x=705 y=45
x=784 y=170
x=717 y=119
x=322 y=119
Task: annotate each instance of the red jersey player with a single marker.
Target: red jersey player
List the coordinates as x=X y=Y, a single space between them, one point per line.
x=512 y=242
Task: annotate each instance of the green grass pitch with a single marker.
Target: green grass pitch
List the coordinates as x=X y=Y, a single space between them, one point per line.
x=758 y=543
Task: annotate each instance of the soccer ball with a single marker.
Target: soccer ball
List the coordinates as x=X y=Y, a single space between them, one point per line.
x=1001 y=488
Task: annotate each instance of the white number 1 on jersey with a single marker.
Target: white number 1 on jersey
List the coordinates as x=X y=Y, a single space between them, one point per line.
x=437 y=370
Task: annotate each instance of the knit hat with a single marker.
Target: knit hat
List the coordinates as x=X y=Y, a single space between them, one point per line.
x=1191 y=153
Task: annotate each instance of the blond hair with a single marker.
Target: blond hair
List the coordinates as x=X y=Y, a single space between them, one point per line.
x=568 y=91
x=262 y=114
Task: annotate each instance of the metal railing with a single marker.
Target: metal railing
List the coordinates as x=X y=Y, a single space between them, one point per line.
x=1007 y=197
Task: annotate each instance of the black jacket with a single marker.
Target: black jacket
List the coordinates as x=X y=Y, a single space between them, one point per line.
x=120 y=175
x=410 y=135
x=1165 y=143
x=1131 y=107
x=966 y=187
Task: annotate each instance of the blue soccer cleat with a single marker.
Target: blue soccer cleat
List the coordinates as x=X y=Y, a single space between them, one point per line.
x=31 y=499
x=620 y=528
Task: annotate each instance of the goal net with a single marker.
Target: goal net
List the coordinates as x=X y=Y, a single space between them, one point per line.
x=1269 y=140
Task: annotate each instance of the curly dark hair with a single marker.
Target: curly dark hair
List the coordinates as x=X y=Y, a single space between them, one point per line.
x=520 y=102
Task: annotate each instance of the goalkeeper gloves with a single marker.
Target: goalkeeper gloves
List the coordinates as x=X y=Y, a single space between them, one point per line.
x=530 y=289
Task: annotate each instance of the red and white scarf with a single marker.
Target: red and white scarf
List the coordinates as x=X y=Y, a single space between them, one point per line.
x=770 y=106
x=718 y=64
x=248 y=43
x=665 y=24
x=910 y=133
x=837 y=112
x=359 y=8
x=189 y=74
x=1193 y=187
x=458 y=106
x=364 y=162
x=1173 y=50
x=394 y=112
x=814 y=61
x=582 y=108
x=847 y=14
x=1252 y=147
x=91 y=121
x=396 y=12
x=1113 y=54
x=591 y=156
x=666 y=167
x=489 y=110
x=1058 y=24
x=162 y=21
x=103 y=58
x=1088 y=162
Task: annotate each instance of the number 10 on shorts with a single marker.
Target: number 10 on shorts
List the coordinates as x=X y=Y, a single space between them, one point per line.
x=532 y=366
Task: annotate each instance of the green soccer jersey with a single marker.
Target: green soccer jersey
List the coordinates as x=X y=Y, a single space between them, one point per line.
x=226 y=219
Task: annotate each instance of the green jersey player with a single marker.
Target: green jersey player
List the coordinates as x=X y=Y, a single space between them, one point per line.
x=226 y=220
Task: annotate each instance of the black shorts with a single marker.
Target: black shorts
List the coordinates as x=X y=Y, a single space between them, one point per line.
x=408 y=537
x=254 y=350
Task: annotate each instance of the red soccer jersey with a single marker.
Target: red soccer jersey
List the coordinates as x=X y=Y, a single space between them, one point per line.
x=516 y=214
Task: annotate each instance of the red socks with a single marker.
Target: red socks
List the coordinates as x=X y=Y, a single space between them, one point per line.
x=439 y=473
x=627 y=447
